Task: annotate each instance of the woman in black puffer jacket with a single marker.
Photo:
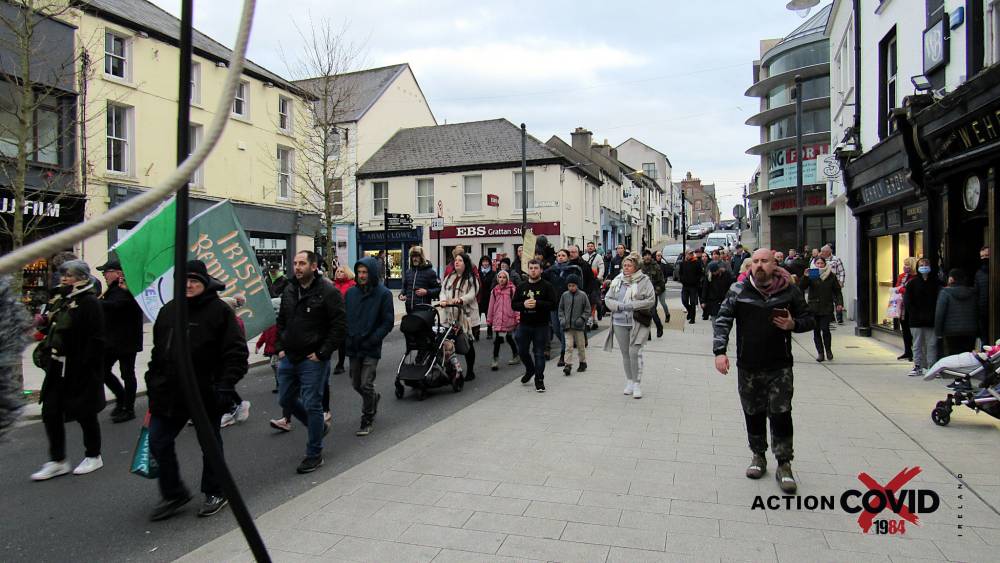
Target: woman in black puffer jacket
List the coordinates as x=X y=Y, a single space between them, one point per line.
x=824 y=298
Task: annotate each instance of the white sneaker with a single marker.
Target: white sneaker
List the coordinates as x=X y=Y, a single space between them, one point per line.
x=636 y=392
x=628 y=387
x=243 y=411
x=89 y=465
x=51 y=469
x=227 y=420
x=327 y=416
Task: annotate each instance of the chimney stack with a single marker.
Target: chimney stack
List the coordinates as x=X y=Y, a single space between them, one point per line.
x=582 y=140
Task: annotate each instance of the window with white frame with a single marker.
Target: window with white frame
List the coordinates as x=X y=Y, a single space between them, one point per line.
x=472 y=193
x=119 y=136
x=425 y=196
x=241 y=103
x=529 y=189
x=284 y=113
x=116 y=49
x=844 y=63
x=197 y=179
x=285 y=168
x=380 y=198
x=593 y=203
x=195 y=83
x=649 y=169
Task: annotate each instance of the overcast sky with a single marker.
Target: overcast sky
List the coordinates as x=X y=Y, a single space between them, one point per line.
x=670 y=73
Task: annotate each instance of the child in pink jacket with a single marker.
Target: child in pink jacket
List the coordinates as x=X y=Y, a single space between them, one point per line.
x=502 y=317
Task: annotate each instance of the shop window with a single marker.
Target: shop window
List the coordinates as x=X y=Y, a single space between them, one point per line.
x=883 y=279
x=472 y=193
x=425 y=196
x=395 y=261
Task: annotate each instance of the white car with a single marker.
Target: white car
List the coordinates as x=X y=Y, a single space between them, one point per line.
x=721 y=239
x=696 y=231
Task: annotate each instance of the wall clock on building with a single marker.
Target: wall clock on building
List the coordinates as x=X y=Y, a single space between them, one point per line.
x=972 y=193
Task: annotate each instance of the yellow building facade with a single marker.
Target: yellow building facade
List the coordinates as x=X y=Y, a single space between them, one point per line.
x=128 y=121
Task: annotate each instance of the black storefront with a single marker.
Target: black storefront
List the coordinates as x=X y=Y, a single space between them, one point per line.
x=45 y=213
x=929 y=190
x=959 y=140
x=399 y=243
x=892 y=212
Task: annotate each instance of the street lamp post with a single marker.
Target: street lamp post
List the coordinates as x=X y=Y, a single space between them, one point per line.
x=684 y=227
x=799 y=220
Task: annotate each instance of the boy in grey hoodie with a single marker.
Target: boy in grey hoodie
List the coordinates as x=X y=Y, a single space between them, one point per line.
x=574 y=312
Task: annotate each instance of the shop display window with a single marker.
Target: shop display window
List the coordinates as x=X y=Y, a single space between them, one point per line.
x=395 y=261
x=889 y=253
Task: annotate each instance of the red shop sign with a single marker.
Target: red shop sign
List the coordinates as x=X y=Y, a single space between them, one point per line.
x=812 y=200
x=497 y=230
x=492 y=200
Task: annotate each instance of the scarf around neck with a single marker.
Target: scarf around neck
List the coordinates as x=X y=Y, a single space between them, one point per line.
x=779 y=281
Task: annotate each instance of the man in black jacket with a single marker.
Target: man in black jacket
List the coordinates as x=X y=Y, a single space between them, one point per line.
x=589 y=280
x=219 y=358
x=311 y=326
x=614 y=266
x=276 y=280
x=691 y=273
x=767 y=307
x=123 y=322
x=420 y=282
x=535 y=299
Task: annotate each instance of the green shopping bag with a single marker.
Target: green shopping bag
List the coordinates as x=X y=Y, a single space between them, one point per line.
x=143 y=463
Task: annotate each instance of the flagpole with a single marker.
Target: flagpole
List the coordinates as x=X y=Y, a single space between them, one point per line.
x=182 y=346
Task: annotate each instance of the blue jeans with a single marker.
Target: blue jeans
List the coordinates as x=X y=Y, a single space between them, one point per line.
x=300 y=391
x=531 y=344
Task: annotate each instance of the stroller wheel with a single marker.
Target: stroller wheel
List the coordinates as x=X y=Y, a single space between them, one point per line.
x=457 y=385
x=399 y=390
x=421 y=394
x=941 y=417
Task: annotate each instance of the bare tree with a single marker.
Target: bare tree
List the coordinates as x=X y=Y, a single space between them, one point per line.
x=323 y=165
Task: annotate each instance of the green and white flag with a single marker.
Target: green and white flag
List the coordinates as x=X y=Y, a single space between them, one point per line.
x=215 y=237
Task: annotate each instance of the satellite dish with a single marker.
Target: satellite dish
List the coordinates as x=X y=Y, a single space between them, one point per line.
x=802 y=7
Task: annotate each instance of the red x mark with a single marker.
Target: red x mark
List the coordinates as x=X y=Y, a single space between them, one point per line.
x=897 y=482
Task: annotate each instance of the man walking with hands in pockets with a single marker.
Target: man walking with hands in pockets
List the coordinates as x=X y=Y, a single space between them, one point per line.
x=767 y=308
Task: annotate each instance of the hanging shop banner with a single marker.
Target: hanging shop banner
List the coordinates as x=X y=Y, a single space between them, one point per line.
x=215 y=237
x=782 y=166
x=498 y=230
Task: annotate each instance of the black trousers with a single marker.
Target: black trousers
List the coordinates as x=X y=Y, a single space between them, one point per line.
x=124 y=395
x=55 y=429
x=498 y=342
x=904 y=326
x=163 y=431
x=689 y=297
x=821 y=333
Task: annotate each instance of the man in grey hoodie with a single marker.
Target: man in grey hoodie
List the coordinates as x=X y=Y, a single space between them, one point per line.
x=955 y=320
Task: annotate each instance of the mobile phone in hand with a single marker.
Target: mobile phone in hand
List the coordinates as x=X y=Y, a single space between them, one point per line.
x=780 y=313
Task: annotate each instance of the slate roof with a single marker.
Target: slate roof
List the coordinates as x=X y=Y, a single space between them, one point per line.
x=157 y=22
x=456 y=146
x=358 y=90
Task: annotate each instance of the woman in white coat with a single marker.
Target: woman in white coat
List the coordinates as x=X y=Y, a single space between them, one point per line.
x=630 y=300
x=460 y=288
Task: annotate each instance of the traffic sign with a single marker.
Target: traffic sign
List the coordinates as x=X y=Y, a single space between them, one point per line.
x=739 y=211
x=437 y=224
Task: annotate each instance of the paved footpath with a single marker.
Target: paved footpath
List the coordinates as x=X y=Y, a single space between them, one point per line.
x=583 y=473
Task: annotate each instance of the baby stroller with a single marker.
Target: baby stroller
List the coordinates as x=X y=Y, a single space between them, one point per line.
x=964 y=369
x=424 y=366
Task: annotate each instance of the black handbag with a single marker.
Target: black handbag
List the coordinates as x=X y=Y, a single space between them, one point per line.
x=643 y=317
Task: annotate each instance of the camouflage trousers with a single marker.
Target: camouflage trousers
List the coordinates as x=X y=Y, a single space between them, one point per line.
x=767 y=395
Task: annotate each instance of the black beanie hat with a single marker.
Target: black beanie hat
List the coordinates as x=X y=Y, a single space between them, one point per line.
x=196 y=269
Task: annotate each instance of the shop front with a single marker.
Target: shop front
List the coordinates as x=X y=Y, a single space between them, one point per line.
x=489 y=239
x=396 y=249
x=819 y=219
x=45 y=213
x=960 y=143
x=894 y=223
